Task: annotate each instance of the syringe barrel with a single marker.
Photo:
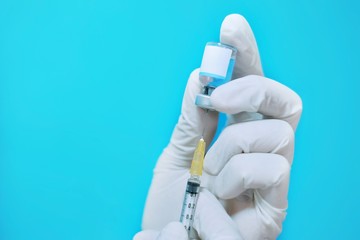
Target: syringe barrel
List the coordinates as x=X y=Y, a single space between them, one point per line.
x=189 y=203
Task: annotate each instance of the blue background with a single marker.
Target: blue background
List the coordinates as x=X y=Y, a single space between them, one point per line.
x=91 y=90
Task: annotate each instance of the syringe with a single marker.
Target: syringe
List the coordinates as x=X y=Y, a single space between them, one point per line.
x=192 y=190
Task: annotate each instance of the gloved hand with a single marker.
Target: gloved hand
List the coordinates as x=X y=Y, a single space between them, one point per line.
x=211 y=221
x=248 y=167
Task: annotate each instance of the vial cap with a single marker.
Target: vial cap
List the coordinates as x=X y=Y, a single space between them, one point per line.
x=203 y=101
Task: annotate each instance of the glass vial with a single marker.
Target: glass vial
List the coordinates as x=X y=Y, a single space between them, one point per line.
x=216 y=69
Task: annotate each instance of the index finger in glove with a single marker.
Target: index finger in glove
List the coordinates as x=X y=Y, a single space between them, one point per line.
x=264 y=136
x=258 y=94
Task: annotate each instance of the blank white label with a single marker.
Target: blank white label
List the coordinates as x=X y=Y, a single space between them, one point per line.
x=216 y=60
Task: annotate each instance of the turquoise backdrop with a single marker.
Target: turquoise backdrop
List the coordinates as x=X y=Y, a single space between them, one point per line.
x=90 y=91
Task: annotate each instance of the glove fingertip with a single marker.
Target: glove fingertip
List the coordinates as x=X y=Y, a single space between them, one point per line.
x=212 y=221
x=211 y=168
x=236 y=31
x=146 y=235
x=174 y=230
x=221 y=101
x=233 y=23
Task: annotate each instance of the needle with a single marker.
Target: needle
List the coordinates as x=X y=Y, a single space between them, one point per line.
x=206 y=113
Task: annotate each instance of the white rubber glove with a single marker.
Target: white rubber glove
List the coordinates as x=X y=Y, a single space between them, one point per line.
x=248 y=167
x=211 y=221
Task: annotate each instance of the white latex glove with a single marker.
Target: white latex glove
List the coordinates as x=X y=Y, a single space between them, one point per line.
x=248 y=167
x=211 y=221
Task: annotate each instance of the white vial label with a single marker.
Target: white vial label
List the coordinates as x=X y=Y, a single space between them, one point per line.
x=215 y=61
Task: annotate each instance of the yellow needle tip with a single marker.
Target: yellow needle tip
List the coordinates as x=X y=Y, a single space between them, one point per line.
x=198 y=159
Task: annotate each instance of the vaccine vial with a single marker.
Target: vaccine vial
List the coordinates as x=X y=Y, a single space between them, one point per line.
x=216 y=69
